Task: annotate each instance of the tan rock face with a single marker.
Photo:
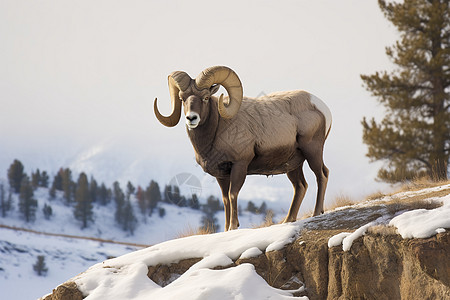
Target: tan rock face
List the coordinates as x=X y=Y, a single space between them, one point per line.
x=66 y=291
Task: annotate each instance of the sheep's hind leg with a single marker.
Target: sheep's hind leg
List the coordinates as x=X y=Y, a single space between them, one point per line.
x=314 y=156
x=298 y=181
x=224 y=184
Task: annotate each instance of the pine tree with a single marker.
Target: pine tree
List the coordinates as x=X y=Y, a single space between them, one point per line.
x=15 y=175
x=129 y=220
x=39 y=267
x=130 y=190
x=2 y=200
x=104 y=195
x=413 y=139
x=140 y=196
x=251 y=207
x=57 y=181
x=209 y=221
x=5 y=202
x=119 y=198
x=83 y=208
x=68 y=186
x=262 y=209
x=44 y=180
x=36 y=178
x=27 y=204
x=48 y=211
x=193 y=202
x=93 y=190
x=153 y=195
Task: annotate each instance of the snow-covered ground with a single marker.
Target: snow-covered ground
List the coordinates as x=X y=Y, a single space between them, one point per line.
x=66 y=257
x=126 y=277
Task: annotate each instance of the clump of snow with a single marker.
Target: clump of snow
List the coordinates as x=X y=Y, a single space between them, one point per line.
x=252 y=252
x=337 y=239
x=126 y=277
x=348 y=241
x=422 y=223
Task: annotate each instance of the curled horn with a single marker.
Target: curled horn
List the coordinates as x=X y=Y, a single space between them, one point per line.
x=230 y=81
x=178 y=80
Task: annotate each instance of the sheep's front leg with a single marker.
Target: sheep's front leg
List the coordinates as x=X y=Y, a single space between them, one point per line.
x=237 y=178
x=224 y=184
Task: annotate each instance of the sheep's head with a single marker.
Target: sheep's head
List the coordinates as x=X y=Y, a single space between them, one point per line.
x=195 y=94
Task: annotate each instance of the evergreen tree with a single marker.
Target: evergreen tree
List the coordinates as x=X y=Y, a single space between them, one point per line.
x=209 y=221
x=83 y=208
x=68 y=185
x=57 y=181
x=48 y=211
x=212 y=205
x=35 y=178
x=44 y=179
x=167 y=193
x=39 y=267
x=193 y=202
x=140 y=195
x=104 y=195
x=262 y=209
x=5 y=202
x=413 y=139
x=52 y=192
x=129 y=220
x=162 y=212
x=153 y=195
x=119 y=198
x=2 y=200
x=15 y=175
x=27 y=204
x=251 y=207
x=130 y=190
x=93 y=190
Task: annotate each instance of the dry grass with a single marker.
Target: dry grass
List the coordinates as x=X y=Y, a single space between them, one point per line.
x=340 y=201
x=421 y=183
x=190 y=231
x=268 y=220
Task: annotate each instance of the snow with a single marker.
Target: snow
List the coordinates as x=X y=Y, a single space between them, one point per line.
x=252 y=252
x=348 y=240
x=422 y=223
x=419 y=223
x=125 y=277
x=64 y=257
x=337 y=239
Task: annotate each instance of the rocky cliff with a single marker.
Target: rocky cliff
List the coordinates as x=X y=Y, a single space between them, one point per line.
x=379 y=264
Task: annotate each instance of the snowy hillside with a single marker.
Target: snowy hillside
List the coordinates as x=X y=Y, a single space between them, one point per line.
x=219 y=265
x=66 y=256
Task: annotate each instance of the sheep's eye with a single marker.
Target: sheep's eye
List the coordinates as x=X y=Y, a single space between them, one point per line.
x=206 y=98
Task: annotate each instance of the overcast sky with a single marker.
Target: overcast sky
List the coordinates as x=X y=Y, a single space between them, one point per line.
x=75 y=74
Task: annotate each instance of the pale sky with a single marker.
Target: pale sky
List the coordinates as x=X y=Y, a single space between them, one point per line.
x=82 y=75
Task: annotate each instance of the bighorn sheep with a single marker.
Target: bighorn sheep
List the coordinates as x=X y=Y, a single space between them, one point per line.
x=237 y=136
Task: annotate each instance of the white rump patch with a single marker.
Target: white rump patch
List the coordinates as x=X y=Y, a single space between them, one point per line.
x=323 y=108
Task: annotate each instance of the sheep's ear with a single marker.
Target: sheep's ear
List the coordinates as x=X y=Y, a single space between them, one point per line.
x=213 y=89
